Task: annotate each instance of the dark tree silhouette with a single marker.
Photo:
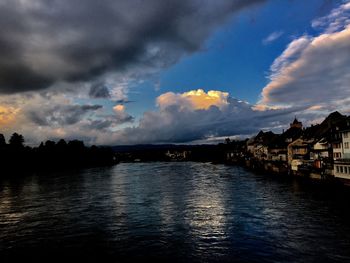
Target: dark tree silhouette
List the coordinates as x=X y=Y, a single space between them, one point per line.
x=16 y=140
x=2 y=140
x=50 y=155
x=50 y=145
x=61 y=144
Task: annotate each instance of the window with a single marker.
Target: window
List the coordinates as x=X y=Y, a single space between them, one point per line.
x=346 y=145
x=345 y=169
x=341 y=169
x=337 y=155
x=337 y=168
x=337 y=145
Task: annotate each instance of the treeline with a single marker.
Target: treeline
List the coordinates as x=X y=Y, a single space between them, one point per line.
x=49 y=155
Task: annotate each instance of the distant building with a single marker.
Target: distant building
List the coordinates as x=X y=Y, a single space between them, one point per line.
x=178 y=155
x=296 y=124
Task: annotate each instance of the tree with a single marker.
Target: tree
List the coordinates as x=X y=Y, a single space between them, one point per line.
x=2 y=140
x=16 y=140
x=62 y=143
x=50 y=145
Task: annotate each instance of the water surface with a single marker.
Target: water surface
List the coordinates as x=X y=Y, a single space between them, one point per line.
x=172 y=211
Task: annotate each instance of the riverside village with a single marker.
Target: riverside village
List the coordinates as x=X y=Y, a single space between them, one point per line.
x=321 y=151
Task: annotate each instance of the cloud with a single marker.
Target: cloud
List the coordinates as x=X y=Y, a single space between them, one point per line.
x=337 y=20
x=58 y=56
x=272 y=37
x=48 y=115
x=98 y=91
x=199 y=115
x=60 y=115
x=7 y=115
x=119 y=108
x=314 y=70
x=46 y=42
x=120 y=115
x=195 y=99
x=63 y=50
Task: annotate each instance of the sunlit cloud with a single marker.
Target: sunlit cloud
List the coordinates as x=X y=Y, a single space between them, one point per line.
x=7 y=115
x=313 y=70
x=194 y=99
x=119 y=108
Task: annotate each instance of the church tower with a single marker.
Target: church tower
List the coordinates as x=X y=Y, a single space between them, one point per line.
x=296 y=124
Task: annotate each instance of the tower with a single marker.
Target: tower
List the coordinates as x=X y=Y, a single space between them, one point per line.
x=296 y=124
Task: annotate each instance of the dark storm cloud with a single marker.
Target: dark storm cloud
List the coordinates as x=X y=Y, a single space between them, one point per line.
x=174 y=124
x=46 y=41
x=98 y=91
x=106 y=122
x=61 y=114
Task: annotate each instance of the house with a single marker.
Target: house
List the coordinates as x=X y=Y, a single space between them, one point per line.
x=277 y=148
x=337 y=150
x=342 y=164
x=346 y=143
x=320 y=150
x=342 y=170
x=299 y=150
x=258 y=146
x=322 y=157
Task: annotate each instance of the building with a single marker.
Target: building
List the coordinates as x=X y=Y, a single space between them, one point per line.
x=320 y=150
x=296 y=124
x=299 y=149
x=346 y=143
x=337 y=150
x=342 y=170
x=258 y=146
x=342 y=164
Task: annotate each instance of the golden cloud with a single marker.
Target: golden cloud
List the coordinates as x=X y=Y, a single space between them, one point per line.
x=194 y=99
x=119 y=108
x=7 y=115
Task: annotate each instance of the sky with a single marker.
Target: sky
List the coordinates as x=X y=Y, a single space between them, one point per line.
x=115 y=72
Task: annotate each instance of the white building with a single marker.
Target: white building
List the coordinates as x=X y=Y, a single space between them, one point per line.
x=337 y=150
x=346 y=144
x=342 y=169
x=320 y=150
x=342 y=164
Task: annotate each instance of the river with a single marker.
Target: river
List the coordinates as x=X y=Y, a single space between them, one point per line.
x=185 y=212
